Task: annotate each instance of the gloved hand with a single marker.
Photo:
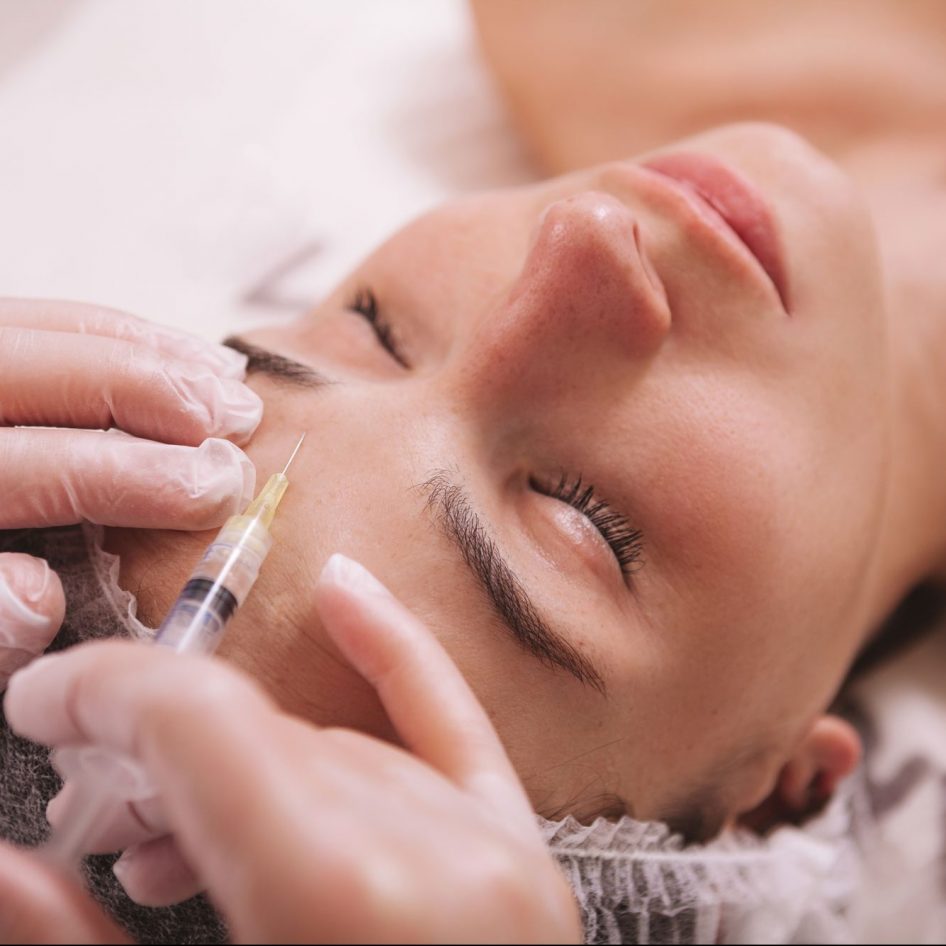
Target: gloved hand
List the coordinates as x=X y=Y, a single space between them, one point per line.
x=69 y=365
x=298 y=834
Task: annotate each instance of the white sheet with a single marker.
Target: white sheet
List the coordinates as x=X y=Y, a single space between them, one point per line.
x=168 y=157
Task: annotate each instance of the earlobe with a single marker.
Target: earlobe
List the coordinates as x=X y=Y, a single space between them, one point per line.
x=829 y=751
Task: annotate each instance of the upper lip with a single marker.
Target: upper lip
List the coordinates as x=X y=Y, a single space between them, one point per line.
x=730 y=204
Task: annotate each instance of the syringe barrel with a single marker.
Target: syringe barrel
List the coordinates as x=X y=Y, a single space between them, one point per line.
x=216 y=588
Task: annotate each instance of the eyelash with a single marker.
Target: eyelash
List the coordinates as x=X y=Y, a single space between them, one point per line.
x=365 y=303
x=626 y=543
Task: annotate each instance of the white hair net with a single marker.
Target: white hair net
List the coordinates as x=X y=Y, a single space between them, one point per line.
x=637 y=883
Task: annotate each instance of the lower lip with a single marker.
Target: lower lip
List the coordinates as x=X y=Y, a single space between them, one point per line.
x=740 y=205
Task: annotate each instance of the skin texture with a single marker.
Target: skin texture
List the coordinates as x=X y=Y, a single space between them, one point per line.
x=785 y=471
x=584 y=325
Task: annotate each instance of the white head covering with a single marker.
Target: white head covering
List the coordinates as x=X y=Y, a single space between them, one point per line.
x=637 y=883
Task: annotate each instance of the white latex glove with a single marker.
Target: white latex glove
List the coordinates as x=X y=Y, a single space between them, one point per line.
x=298 y=834
x=68 y=373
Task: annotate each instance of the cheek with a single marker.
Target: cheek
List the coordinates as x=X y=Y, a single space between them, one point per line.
x=755 y=558
x=757 y=490
x=712 y=468
x=733 y=579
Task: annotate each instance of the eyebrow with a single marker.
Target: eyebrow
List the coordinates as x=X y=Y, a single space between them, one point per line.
x=277 y=367
x=464 y=527
x=460 y=522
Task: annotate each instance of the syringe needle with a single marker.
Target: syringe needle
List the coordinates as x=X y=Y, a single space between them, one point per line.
x=293 y=455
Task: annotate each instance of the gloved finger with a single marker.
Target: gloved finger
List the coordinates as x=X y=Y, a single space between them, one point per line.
x=424 y=694
x=155 y=874
x=60 y=477
x=131 y=699
x=32 y=607
x=58 y=379
x=80 y=317
x=186 y=720
x=124 y=825
x=39 y=904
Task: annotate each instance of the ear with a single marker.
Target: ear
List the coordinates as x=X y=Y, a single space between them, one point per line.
x=828 y=752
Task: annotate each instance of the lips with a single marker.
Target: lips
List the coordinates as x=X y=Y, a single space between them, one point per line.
x=727 y=195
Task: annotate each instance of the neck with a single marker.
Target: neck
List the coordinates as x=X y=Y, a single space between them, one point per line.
x=904 y=185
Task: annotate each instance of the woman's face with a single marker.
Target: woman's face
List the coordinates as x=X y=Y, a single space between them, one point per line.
x=673 y=622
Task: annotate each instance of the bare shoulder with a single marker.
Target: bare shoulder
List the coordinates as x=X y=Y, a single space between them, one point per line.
x=602 y=79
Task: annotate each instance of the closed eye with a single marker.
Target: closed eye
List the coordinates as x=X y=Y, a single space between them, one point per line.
x=365 y=303
x=626 y=542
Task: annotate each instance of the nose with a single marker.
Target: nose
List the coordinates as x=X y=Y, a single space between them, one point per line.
x=586 y=306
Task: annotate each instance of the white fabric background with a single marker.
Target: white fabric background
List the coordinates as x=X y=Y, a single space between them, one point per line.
x=166 y=156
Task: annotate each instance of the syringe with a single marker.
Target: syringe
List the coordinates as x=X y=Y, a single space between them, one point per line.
x=194 y=625
x=223 y=578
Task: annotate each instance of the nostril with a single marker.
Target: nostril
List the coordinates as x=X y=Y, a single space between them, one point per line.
x=656 y=283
